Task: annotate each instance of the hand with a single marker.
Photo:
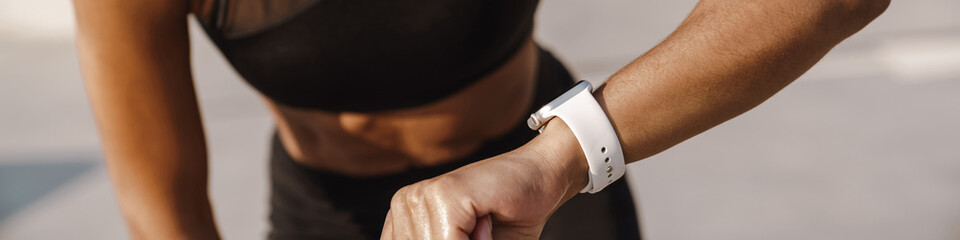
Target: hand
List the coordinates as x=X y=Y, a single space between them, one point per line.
x=509 y=196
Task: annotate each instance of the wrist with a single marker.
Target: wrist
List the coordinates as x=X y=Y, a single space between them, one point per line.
x=562 y=159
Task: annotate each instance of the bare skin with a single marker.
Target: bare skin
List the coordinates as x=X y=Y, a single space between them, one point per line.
x=137 y=72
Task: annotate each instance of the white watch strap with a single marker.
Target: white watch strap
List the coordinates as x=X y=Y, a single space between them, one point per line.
x=596 y=135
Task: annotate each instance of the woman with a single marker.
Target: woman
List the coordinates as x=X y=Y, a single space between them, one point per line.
x=374 y=96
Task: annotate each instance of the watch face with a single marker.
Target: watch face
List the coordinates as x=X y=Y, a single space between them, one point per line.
x=581 y=86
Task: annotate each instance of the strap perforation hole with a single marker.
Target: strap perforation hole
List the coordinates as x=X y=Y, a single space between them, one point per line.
x=606 y=160
x=603 y=150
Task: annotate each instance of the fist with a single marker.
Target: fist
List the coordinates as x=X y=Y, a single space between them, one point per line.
x=505 y=197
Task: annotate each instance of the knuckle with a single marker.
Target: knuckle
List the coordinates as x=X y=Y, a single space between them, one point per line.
x=398 y=198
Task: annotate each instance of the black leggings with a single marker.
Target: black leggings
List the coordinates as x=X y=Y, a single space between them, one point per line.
x=307 y=203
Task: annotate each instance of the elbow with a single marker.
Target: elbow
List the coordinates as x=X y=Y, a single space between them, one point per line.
x=842 y=18
x=866 y=10
x=857 y=13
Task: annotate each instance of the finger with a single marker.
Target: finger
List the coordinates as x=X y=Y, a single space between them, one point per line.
x=483 y=230
x=401 y=224
x=387 y=232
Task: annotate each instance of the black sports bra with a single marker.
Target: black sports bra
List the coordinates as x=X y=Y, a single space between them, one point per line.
x=367 y=55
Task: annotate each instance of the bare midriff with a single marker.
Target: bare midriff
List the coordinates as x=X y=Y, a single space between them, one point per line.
x=379 y=143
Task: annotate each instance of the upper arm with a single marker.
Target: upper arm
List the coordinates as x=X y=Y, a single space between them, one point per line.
x=135 y=62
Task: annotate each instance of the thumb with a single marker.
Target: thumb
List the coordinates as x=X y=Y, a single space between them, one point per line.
x=483 y=230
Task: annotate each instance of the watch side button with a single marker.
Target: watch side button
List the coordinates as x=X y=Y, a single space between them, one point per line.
x=533 y=123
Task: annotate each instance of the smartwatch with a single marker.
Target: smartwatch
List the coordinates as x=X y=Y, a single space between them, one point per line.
x=599 y=142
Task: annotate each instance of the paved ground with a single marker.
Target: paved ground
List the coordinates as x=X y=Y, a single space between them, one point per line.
x=865 y=146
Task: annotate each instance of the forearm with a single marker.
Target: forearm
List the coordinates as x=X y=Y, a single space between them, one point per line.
x=163 y=196
x=156 y=154
x=157 y=160
x=167 y=214
x=726 y=58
